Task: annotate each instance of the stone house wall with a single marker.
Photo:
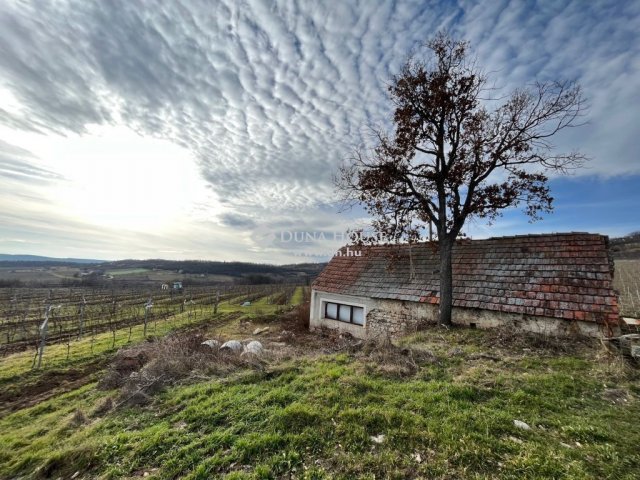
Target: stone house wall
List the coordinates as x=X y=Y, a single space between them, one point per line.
x=393 y=318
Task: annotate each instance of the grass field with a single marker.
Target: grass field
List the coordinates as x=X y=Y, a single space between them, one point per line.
x=77 y=360
x=440 y=405
x=127 y=271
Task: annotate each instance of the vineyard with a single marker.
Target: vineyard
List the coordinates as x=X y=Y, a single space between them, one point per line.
x=627 y=283
x=34 y=319
x=311 y=406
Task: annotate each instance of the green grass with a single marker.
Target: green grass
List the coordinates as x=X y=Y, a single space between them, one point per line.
x=313 y=417
x=17 y=374
x=127 y=271
x=298 y=296
x=81 y=351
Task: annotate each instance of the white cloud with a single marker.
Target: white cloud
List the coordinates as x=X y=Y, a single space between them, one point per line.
x=266 y=98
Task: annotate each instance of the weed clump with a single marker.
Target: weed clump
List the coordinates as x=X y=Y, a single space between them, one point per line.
x=517 y=339
x=142 y=371
x=104 y=407
x=389 y=360
x=78 y=419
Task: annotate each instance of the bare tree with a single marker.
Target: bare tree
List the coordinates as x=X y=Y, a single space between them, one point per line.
x=451 y=158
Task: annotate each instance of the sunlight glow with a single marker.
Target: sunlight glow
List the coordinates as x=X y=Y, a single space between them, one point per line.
x=9 y=101
x=117 y=178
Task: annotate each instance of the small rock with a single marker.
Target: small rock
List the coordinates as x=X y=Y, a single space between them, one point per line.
x=233 y=345
x=521 y=425
x=213 y=344
x=246 y=304
x=254 y=348
x=286 y=336
x=416 y=457
x=259 y=330
x=378 y=439
x=515 y=439
x=75 y=475
x=565 y=445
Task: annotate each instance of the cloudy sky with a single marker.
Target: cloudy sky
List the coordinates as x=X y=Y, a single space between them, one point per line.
x=211 y=129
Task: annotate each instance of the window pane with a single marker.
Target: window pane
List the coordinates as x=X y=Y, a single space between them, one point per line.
x=345 y=313
x=358 y=315
x=332 y=310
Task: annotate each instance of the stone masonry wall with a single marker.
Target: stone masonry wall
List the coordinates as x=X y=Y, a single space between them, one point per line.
x=394 y=318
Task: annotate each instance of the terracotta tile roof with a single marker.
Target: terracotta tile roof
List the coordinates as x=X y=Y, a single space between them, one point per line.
x=564 y=275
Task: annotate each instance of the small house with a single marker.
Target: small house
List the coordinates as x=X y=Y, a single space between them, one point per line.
x=556 y=284
x=177 y=285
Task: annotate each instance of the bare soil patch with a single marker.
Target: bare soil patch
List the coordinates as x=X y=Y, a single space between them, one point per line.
x=49 y=384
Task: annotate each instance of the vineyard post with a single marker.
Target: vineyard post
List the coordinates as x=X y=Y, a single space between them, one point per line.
x=192 y=311
x=215 y=305
x=113 y=329
x=25 y=335
x=43 y=334
x=82 y=306
x=147 y=307
x=12 y=325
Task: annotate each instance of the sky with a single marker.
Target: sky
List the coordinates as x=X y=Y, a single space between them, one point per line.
x=212 y=130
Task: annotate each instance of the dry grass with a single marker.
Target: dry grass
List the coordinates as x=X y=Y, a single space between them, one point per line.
x=302 y=314
x=443 y=401
x=627 y=282
x=143 y=370
x=78 y=418
x=389 y=360
x=513 y=339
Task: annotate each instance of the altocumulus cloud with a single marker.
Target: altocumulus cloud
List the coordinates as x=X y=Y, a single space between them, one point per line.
x=270 y=96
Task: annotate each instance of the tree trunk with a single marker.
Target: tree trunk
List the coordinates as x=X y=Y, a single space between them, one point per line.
x=446 y=280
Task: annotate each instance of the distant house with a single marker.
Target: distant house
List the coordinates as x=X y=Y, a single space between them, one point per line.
x=177 y=285
x=165 y=286
x=559 y=284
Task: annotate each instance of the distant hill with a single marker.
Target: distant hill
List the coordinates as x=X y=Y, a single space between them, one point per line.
x=33 y=270
x=219 y=268
x=37 y=258
x=627 y=247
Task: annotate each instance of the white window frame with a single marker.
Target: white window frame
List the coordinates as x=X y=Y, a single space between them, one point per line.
x=342 y=303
